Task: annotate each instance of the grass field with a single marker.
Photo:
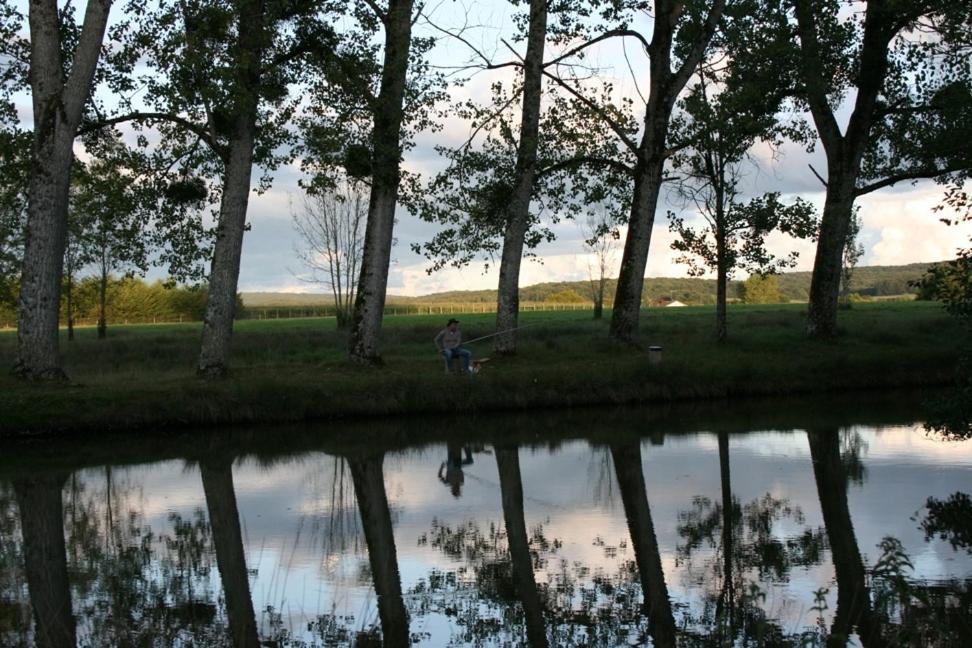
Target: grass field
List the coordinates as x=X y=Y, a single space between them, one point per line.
x=288 y=370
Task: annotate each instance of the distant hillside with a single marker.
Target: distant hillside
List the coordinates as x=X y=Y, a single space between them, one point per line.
x=871 y=280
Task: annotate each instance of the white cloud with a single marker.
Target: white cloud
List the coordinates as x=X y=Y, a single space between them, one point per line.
x=901 y=227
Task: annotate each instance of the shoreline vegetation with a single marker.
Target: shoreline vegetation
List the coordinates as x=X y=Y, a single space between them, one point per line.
x=287 y=371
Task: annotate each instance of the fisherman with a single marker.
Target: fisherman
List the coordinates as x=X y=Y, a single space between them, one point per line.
x=449 y=344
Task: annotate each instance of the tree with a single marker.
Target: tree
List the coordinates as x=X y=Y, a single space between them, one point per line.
x=906 y=66
x=577 y=168
x=217 y=91
x=760 y=289
x=734 y=237
x=517 y=217
x=112 y=222
x=331 y=228
x=387 y=113
x=565 y=296
x=601 y=243
x=63 y=59
x=730 y=107
x=680 y=35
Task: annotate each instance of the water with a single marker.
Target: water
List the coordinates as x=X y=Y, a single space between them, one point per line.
x=594 y=527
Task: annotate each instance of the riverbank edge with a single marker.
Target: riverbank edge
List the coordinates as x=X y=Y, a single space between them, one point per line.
x=303 y=395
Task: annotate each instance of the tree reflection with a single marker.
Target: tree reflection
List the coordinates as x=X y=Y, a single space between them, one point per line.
x=950 y=519
x=745 y=544
x=511 y=487
x=369 y=488
x=45 y=558
x=631 y=483
x=853 y=597
x=217 y=479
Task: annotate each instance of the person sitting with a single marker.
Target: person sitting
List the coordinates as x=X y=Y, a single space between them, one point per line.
x=449 y=344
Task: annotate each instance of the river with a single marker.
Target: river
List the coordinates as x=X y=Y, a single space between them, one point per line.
x=798 y=522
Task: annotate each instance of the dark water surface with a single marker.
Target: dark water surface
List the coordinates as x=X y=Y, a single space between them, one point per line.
x=766 y=523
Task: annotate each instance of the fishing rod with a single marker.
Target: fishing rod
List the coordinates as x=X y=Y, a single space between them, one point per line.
x=510 y=330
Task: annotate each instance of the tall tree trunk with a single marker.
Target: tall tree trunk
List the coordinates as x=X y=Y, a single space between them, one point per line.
x=45 y=559
x=631 y=483
x=518 y=211
x=225 y=270
x=631 y=279
x=224 y=518
x=103 y=304
x=386 y=136
x=57 y=107
x=511 y=491
x=844 y=150
x=664 y=87
x=828 y=263
x=853 y=597
x=722 y=281
x=369 y=489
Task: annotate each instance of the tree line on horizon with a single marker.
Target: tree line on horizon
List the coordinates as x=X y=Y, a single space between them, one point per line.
x=212 y=91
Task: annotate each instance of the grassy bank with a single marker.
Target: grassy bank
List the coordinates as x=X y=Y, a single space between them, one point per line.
x=290 y=370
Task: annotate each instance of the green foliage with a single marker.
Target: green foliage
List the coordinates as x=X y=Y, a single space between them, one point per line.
x=760 y=289
x=579 y=166
x=566 y=296
x=14 y=168
x=950 y=283
x=130 y=299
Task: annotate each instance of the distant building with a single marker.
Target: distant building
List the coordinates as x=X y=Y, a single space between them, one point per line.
x=666 y=302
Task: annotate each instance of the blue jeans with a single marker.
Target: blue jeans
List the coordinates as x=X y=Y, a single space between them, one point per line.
x=458 y=352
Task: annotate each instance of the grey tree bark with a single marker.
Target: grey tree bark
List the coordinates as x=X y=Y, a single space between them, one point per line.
x=369 y=489
x=224 y=519
x=518 y=212
x=628 y=294
x=45 y=559
x=386 y=157
x=664 y=87
x=57 y=107
x=225 y=270
x=631 y=483
x=511 y=492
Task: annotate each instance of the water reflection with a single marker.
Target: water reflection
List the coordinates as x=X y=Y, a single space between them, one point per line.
x=710 y=539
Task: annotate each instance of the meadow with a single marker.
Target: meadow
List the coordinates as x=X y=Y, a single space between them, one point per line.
x=142 y=376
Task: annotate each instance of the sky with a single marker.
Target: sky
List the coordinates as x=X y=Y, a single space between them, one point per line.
x=899 y=224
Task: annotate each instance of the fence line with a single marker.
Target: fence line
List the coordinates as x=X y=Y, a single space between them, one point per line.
x=295 y=312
